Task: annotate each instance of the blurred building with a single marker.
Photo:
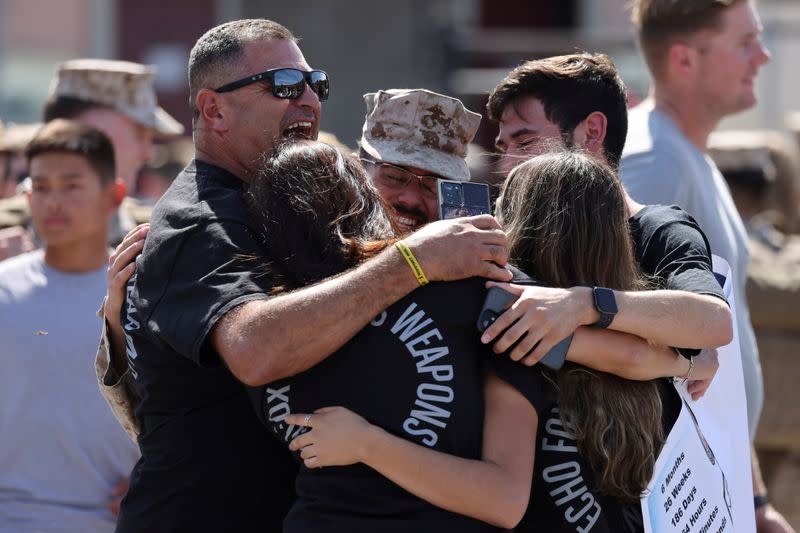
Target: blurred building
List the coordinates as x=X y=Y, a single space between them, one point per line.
x=462 y=47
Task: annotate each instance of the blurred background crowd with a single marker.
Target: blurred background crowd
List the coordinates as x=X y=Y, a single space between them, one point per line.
x=460 y=48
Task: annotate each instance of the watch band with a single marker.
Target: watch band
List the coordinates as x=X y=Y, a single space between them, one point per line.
x=608 y=311
x=604 y=321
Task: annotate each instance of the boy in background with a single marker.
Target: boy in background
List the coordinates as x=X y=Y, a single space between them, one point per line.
x=64 y=460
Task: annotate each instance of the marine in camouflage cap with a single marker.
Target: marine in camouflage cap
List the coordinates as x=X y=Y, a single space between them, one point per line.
x=117 y=97
x=410 y=138
x=121 y=85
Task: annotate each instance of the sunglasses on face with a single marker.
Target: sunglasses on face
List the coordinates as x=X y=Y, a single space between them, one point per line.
x=286 y=83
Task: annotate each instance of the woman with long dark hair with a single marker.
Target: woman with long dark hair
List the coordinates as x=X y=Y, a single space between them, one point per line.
x=418 y=372
x=578 y=235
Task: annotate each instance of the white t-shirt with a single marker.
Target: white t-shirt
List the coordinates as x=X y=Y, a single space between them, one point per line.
x=661 y=166
x=61 y=450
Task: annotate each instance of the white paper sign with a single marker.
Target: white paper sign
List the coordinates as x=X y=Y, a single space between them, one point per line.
x=691 y=492
x=702 y=481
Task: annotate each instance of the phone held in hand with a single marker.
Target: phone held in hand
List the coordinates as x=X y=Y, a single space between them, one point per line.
x=462 y=199
x=496 y=303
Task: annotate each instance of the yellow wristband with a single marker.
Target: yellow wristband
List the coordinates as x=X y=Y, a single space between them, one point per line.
x=405 y=251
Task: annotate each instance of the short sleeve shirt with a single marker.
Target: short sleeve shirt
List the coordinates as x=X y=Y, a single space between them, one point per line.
x=207 y=464
x=563 y=497
x=417 y=371
x=670 y=247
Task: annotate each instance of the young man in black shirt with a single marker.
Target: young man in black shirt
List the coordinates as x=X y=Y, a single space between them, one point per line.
x=198 y=323
x=579 y=100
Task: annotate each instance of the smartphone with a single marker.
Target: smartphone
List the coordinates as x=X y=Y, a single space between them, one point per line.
x=496 y=302
x=462 y=199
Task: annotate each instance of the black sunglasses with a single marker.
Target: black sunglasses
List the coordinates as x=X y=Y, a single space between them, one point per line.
x=288 y=83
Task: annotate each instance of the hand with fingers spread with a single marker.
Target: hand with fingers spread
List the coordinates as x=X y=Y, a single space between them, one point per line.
x=461 y=248
x=336 y=438
x=539 y=319
x=121 y=266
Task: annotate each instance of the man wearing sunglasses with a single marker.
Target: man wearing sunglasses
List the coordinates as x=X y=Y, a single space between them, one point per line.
x=198 y=322
x=410 y=139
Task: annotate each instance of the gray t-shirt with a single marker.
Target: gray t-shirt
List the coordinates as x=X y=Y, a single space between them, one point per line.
x=661 y=166
x=61 y=450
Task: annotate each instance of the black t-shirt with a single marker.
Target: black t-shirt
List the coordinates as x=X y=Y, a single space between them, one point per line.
x=670 y=247
x=563 y=497
x=207 y=464
x=417 y=371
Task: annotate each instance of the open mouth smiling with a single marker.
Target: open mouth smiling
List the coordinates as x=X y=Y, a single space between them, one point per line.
x=301 y=129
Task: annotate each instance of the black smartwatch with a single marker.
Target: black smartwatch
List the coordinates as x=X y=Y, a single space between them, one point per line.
x=606 y=305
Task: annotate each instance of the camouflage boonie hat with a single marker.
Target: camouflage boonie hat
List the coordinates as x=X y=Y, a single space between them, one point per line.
x=122 y=85
x=419 y=128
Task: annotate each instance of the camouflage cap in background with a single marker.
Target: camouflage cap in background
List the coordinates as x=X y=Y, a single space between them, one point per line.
x=419 y=128
x=121 y=85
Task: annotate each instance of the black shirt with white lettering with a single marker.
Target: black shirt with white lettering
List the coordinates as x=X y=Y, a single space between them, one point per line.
x=207 y=463
x=670 y=247
x=563 y=495
x=417 y=371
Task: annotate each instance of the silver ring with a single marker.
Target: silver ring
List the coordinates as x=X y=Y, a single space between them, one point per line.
x=306 y=420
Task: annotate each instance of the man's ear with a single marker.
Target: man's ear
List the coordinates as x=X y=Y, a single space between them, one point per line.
x=590 y=134
x=682 y=60
x=118 y=191
x=212 y=109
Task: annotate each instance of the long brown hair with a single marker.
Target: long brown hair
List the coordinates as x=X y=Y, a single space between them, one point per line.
x=317 y=213
x=565 y=217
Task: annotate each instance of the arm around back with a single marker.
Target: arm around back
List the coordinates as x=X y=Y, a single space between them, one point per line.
x=632 y=357
x=495 y=489
x=265 y=340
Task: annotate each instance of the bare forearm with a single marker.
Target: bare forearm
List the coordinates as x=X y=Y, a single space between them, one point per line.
x=288 y=334
x=624 y=355
x=674 y=318
x=495 y=489
x=478 y=489
x=270 y=339
x=759 y=487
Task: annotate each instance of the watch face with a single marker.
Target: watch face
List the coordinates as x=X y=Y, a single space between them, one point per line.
x=605 y=301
